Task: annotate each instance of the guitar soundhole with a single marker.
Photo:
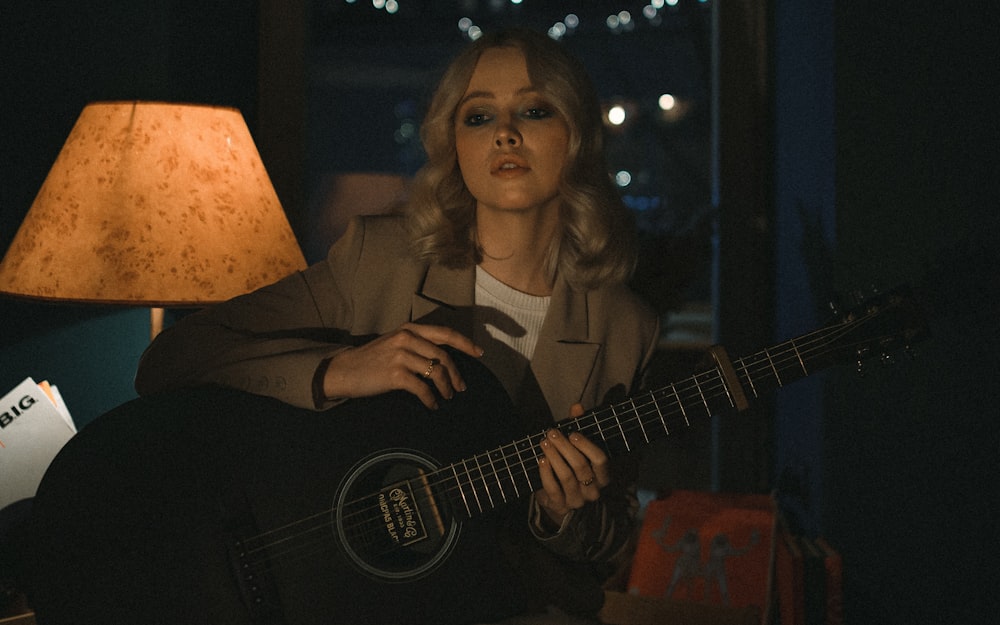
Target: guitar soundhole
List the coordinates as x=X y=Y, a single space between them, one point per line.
x=392 y=516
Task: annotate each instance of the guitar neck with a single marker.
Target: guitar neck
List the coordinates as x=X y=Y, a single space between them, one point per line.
x=487 y=480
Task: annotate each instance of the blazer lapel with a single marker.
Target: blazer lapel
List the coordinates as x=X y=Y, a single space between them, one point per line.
x=565 y=338
x=446 y=298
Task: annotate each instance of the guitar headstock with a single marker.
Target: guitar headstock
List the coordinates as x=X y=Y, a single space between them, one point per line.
x=880 y=326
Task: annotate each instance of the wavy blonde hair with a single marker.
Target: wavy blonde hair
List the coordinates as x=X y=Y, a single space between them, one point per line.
x=597 y=244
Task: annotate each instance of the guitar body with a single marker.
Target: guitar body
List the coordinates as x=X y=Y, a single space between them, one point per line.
x=216 y=506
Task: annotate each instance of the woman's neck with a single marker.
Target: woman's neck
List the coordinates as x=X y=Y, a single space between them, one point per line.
x=515 y=247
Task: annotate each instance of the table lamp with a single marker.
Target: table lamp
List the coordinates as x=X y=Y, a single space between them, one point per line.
x=152 y=204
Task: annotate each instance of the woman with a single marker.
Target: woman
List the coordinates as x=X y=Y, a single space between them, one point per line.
x=513 y=248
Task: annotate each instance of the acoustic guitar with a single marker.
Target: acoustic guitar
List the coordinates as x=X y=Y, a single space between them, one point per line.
x=211 y=505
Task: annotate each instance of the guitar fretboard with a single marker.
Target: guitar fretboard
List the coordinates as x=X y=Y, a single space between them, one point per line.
x=488 y=480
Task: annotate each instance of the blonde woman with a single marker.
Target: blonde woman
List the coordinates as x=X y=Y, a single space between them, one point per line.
x=514 y=249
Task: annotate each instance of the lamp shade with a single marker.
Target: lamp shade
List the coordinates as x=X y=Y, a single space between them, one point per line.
x=152 y=204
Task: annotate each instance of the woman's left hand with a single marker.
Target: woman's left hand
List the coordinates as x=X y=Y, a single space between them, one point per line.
x=573 y=471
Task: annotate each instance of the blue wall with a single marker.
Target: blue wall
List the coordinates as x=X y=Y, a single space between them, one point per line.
x=805 y=218
x=885 y=173
x=90 y=355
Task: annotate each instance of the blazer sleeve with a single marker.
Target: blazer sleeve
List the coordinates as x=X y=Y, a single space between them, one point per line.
x=269 y=342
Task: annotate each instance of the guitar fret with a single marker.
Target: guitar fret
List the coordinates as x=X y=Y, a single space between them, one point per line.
x=510 y=472
x=482 y=478
x=725 y=389
x=770 y=361
x=496 y=475
x=659 y=412
x=753 y=387
x=475 y=493
x=799 y=356
x=680 y=405
x=703 y=400
x=524 y=467
x=620 y=429
x=461 y=491
x=638 y=419
x=597 y=425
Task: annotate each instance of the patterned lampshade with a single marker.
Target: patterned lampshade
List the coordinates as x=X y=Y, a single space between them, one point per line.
x=152 y=204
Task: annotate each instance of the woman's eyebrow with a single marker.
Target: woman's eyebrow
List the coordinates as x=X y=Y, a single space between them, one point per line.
x=489 y=95
x=472 y=95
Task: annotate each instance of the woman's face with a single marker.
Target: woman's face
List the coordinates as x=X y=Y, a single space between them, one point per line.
x=512 y=145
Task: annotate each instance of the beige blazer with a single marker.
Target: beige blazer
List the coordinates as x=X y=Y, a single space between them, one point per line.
x=591 y=344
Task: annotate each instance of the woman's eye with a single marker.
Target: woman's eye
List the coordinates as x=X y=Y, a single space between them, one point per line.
x=537 y=112
x=475 y=119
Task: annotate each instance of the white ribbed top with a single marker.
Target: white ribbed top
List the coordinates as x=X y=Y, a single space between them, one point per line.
x=499 y=304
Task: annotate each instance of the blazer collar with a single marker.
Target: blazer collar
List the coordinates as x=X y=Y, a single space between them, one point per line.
x=455 y=289
x=447 y=296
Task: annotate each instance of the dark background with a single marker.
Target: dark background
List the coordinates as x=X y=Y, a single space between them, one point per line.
x=867 y=158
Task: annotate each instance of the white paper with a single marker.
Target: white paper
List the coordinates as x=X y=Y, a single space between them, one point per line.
x=32 y=431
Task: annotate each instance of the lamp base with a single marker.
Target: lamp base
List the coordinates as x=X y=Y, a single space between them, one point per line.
x=155 y=322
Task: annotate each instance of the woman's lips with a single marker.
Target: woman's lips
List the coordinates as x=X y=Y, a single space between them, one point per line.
x=509 y=166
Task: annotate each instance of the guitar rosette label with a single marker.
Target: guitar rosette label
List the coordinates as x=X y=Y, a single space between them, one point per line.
x=401 y=515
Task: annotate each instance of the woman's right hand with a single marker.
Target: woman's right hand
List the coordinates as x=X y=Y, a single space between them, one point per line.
x=403 y=359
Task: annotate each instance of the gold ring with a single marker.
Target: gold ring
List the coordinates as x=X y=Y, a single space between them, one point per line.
x=588 y=482
x=433 y=362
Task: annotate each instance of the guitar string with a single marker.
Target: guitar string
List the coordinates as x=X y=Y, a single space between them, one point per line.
x=697 y=390
x=300 y=549
x=782 y=359
x=787 y=356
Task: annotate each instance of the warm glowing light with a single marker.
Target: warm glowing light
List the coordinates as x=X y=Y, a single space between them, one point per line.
x=667 y=102
x=616 y=115
x=152 y=204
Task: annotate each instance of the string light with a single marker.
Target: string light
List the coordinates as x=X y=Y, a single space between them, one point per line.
x=616 y=115
x=619 y=22
x=623 y=178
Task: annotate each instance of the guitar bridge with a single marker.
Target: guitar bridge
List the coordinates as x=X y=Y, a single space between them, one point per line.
x=259 y=596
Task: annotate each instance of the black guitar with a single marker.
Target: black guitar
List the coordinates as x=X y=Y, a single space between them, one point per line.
x=216 y=506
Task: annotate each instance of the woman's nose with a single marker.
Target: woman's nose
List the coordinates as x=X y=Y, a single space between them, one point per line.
x=507 y=135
